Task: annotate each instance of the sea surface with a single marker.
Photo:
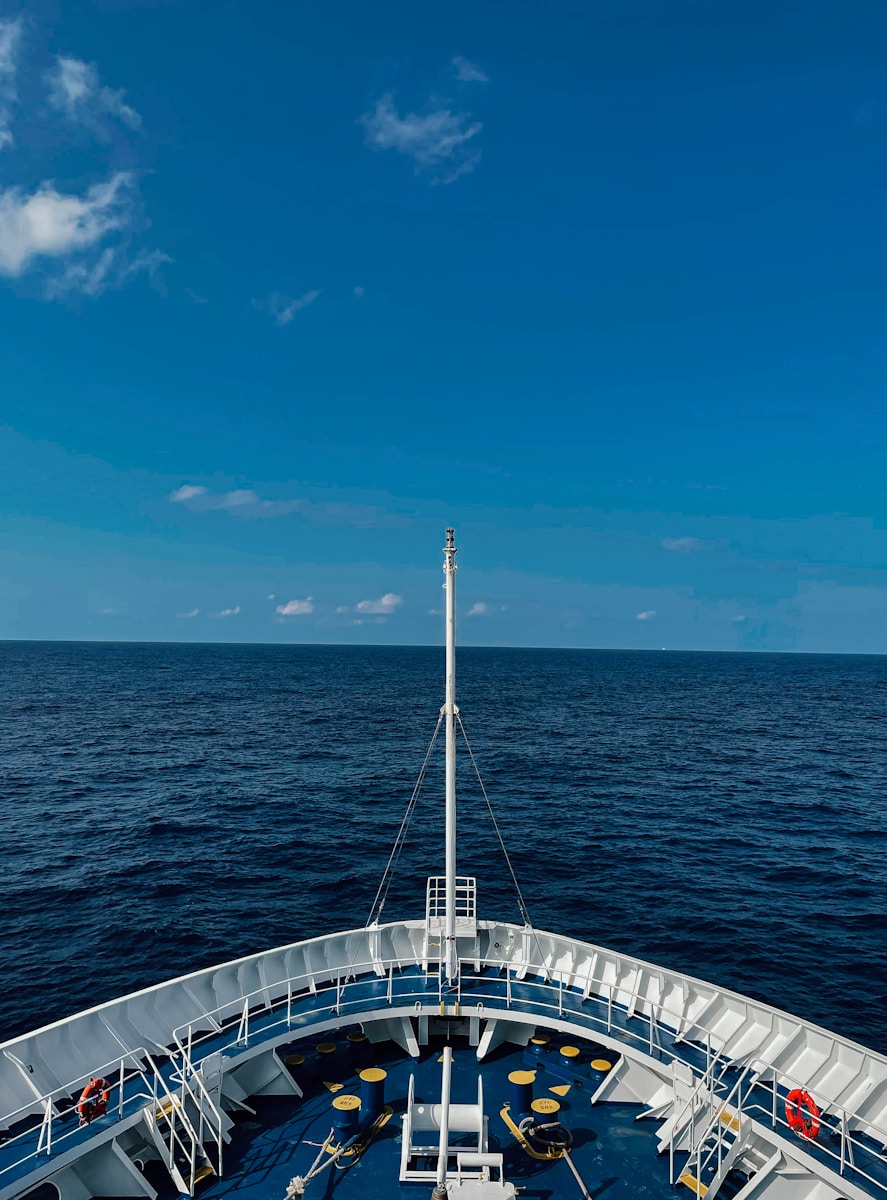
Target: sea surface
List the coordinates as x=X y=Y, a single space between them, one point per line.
x=166 y=807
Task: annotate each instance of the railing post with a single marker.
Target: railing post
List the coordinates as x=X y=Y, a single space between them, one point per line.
x=560 y=997
x=843 y=1135
x=120 y=1094
x=391 y=983
x=508 y=986
x=289 y=1004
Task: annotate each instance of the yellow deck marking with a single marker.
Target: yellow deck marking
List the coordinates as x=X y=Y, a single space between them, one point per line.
x=561 y=1089
x=203 y=1172
x=524 y=1144
x=333 y=1087
x=358 y=1148
x=693 y=1183
x=729 y=1119
x=601 y=1064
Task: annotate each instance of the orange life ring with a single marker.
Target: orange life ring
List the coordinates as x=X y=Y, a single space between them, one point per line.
x=795 y=1103
x=93 y=1100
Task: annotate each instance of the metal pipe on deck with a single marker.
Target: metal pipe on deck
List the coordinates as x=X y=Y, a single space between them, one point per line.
x=440 y=1189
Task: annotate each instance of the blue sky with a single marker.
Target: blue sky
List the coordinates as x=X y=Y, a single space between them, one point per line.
x=287 y=288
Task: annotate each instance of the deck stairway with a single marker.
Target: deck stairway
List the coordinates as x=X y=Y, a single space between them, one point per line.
x=184 y=1124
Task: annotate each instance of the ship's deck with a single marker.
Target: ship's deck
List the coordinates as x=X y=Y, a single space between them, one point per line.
x=614 y=1153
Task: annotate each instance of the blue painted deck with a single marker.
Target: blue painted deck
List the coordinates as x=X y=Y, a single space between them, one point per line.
x=614 y=1154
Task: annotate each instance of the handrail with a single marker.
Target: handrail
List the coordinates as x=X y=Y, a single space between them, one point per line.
x=46 y=1142
x=545 y=990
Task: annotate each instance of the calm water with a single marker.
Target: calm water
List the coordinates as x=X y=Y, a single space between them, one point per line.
x=169 y=806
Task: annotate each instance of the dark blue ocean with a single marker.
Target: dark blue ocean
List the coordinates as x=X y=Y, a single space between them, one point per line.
x=169 y=806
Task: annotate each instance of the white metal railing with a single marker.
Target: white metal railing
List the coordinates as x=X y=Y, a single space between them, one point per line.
x=466 y=897
x=209 y=1115
x=272 y=1011
x=745 y=1100
x=49 y=1138
x=546 y=998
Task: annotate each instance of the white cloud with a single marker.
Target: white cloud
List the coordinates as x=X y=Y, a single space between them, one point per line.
x=74 y=90
x=110 y=269
x=479 y=609
x=467 y=71
x=272 y=595
x=10 y=31
x=385 y=604
x=682 y=545
x=51 y=224
x=283 y=308
x=742 y=617
x=647 y=615
x=297 y=608
x=435 y=612
x=358 y=292
x=185 y=493
x=201 y=499
x=246 y=503
x=195 y=612
x=228 y=612
x=438 y=143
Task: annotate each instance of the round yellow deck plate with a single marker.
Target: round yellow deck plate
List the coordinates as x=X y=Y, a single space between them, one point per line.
x=522 y=1077
x=601 y=1064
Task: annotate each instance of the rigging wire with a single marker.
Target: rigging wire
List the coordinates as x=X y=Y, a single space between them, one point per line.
x=520 y=899
x=394 y=856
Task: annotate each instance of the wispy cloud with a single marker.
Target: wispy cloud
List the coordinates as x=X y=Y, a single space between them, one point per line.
x=10 y=32
x=240 y=502
x=75 y=91
x=228 y=612
x=283 y=308
x=297 y=608
x=647 y=615
x=384 y=605
x=480 y=609
x=682 y=545
x=195 y=612
x=110 y=270
x=247 y=504
x=358 y=292
x=439 y=143
x=467 y=71
x=51 y=224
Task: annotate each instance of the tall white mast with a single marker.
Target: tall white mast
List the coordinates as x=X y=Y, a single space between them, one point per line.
x=451 y=711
